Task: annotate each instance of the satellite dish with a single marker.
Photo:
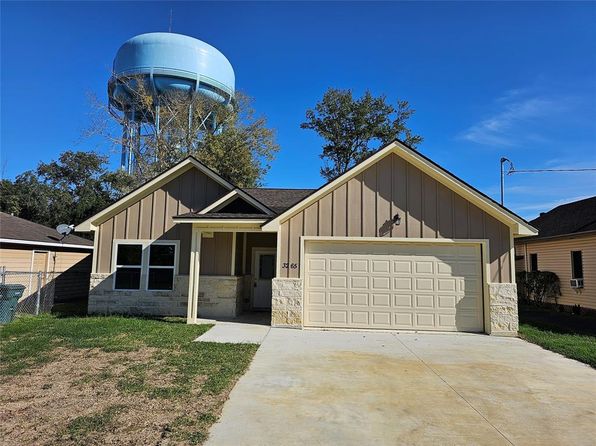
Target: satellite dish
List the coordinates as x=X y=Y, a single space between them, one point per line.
x=64 y=230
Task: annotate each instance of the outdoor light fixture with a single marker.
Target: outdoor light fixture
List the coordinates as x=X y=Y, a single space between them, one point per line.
x=396 y=219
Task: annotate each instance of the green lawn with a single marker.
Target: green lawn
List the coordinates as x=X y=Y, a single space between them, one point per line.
x=131 y=379
x=571 y=335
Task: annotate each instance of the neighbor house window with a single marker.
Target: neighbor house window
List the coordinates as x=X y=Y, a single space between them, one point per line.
x=161 y=267
x=145 y=265
x=129 y=266
x=533 y=262
x=577 y=265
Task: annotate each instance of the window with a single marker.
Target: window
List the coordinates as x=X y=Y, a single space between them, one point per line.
x=161 y=267
x=533 y=262
x=577 y=265
x=129 y=265
x=266 y=266
x=145 y=265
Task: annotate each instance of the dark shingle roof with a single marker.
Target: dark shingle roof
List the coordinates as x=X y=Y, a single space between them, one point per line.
x=278 y=200
x=570 y=218
x=16 y=228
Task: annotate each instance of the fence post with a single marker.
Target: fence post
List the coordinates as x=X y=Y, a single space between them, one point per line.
x=3 y=274
x=38 y=300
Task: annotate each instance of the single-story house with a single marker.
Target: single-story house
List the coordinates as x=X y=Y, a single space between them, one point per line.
x=397 y=242
x=566 y=246
x=27 y=247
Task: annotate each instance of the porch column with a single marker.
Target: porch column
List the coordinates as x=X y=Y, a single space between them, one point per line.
x=193 y=276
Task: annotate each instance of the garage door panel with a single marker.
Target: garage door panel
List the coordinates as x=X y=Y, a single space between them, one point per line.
x=424 y=284
x=338 y=298
x=402 y=283
x=338 y=281
x=359 y=299
x=316 y=316
x=425 y=301
x=317 y=281
x=359 y=318
x=424 y=267
x=425 y=320
x=403 y=300
x=338 y=317
x=359 y=282
x=316 y=264
x=446 y=301
x=393 y=285
x=402 y=266
x=316 y=297
x=338 y=265
x=381 y=319
x=381 y=300
x=359 y=266
x=404 y=321
x=381 y=283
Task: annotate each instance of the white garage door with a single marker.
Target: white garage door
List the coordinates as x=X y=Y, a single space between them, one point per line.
x=409 y=286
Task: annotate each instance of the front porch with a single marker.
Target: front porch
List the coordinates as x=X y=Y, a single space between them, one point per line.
x=231 y=271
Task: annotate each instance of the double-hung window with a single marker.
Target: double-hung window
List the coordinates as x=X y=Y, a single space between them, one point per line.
x=129 y=266
x=145 y=265
x=161 y=267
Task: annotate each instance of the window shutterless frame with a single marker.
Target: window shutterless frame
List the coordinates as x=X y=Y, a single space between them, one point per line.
x=577 y=265
x=173 y=267
x=145 y=243
x=116 y=266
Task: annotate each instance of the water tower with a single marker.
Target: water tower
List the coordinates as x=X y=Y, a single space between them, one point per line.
x=160 y=63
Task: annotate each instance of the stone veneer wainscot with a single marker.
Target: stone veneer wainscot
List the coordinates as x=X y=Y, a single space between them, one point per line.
x=286 y=302
x=103 y=299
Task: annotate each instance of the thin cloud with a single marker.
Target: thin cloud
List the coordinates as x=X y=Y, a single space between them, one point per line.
x=501 y=128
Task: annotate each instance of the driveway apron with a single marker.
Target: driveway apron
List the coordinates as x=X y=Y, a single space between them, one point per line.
x=355 y=388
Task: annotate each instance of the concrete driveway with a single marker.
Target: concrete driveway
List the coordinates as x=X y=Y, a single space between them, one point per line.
x=365 y=388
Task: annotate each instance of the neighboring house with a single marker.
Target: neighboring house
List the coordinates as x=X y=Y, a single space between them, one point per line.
x=396 y=242
x=566 y=246
x=29 y=247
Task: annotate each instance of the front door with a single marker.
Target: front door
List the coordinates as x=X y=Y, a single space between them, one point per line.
x=263 y=271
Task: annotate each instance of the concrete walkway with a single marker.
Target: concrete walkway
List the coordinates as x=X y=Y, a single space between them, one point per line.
x=360 y=388
x=249 y=328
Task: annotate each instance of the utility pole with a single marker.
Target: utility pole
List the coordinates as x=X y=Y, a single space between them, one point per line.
x=503 y=161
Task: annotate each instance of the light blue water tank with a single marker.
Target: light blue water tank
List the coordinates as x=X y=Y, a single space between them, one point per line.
x=168 y=61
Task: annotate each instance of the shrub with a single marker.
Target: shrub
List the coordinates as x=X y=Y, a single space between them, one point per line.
x=538 y=286
x=577 y=309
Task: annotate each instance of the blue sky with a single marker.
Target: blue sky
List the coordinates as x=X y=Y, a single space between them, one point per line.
x=487 y=79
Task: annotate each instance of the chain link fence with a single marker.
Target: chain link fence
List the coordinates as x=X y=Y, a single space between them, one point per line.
x=39 y=293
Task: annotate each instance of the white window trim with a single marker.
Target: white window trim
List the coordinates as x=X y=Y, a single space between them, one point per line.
x=145 y=244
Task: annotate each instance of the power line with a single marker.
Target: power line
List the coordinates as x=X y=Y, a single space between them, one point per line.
x=587 y=169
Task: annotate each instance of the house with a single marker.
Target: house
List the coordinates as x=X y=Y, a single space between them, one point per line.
x=27 y=247
x=396 y=242
x=566 y=246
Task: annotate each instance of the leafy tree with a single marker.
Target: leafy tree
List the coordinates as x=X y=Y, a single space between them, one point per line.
x=240 y=149
x=354 y=128
x=68 y=190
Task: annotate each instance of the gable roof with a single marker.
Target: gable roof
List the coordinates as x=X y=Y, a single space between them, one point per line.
x=567 y=219
x=148 y=187
x=20 y=231
x=484 y=202
x=279 y=200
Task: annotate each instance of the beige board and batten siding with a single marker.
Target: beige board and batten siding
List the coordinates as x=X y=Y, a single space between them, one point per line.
x=150 y=218
x=555 y=255
x=364 y=206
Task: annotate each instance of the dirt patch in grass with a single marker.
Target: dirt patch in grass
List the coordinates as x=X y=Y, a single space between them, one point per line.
x=93 y=397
